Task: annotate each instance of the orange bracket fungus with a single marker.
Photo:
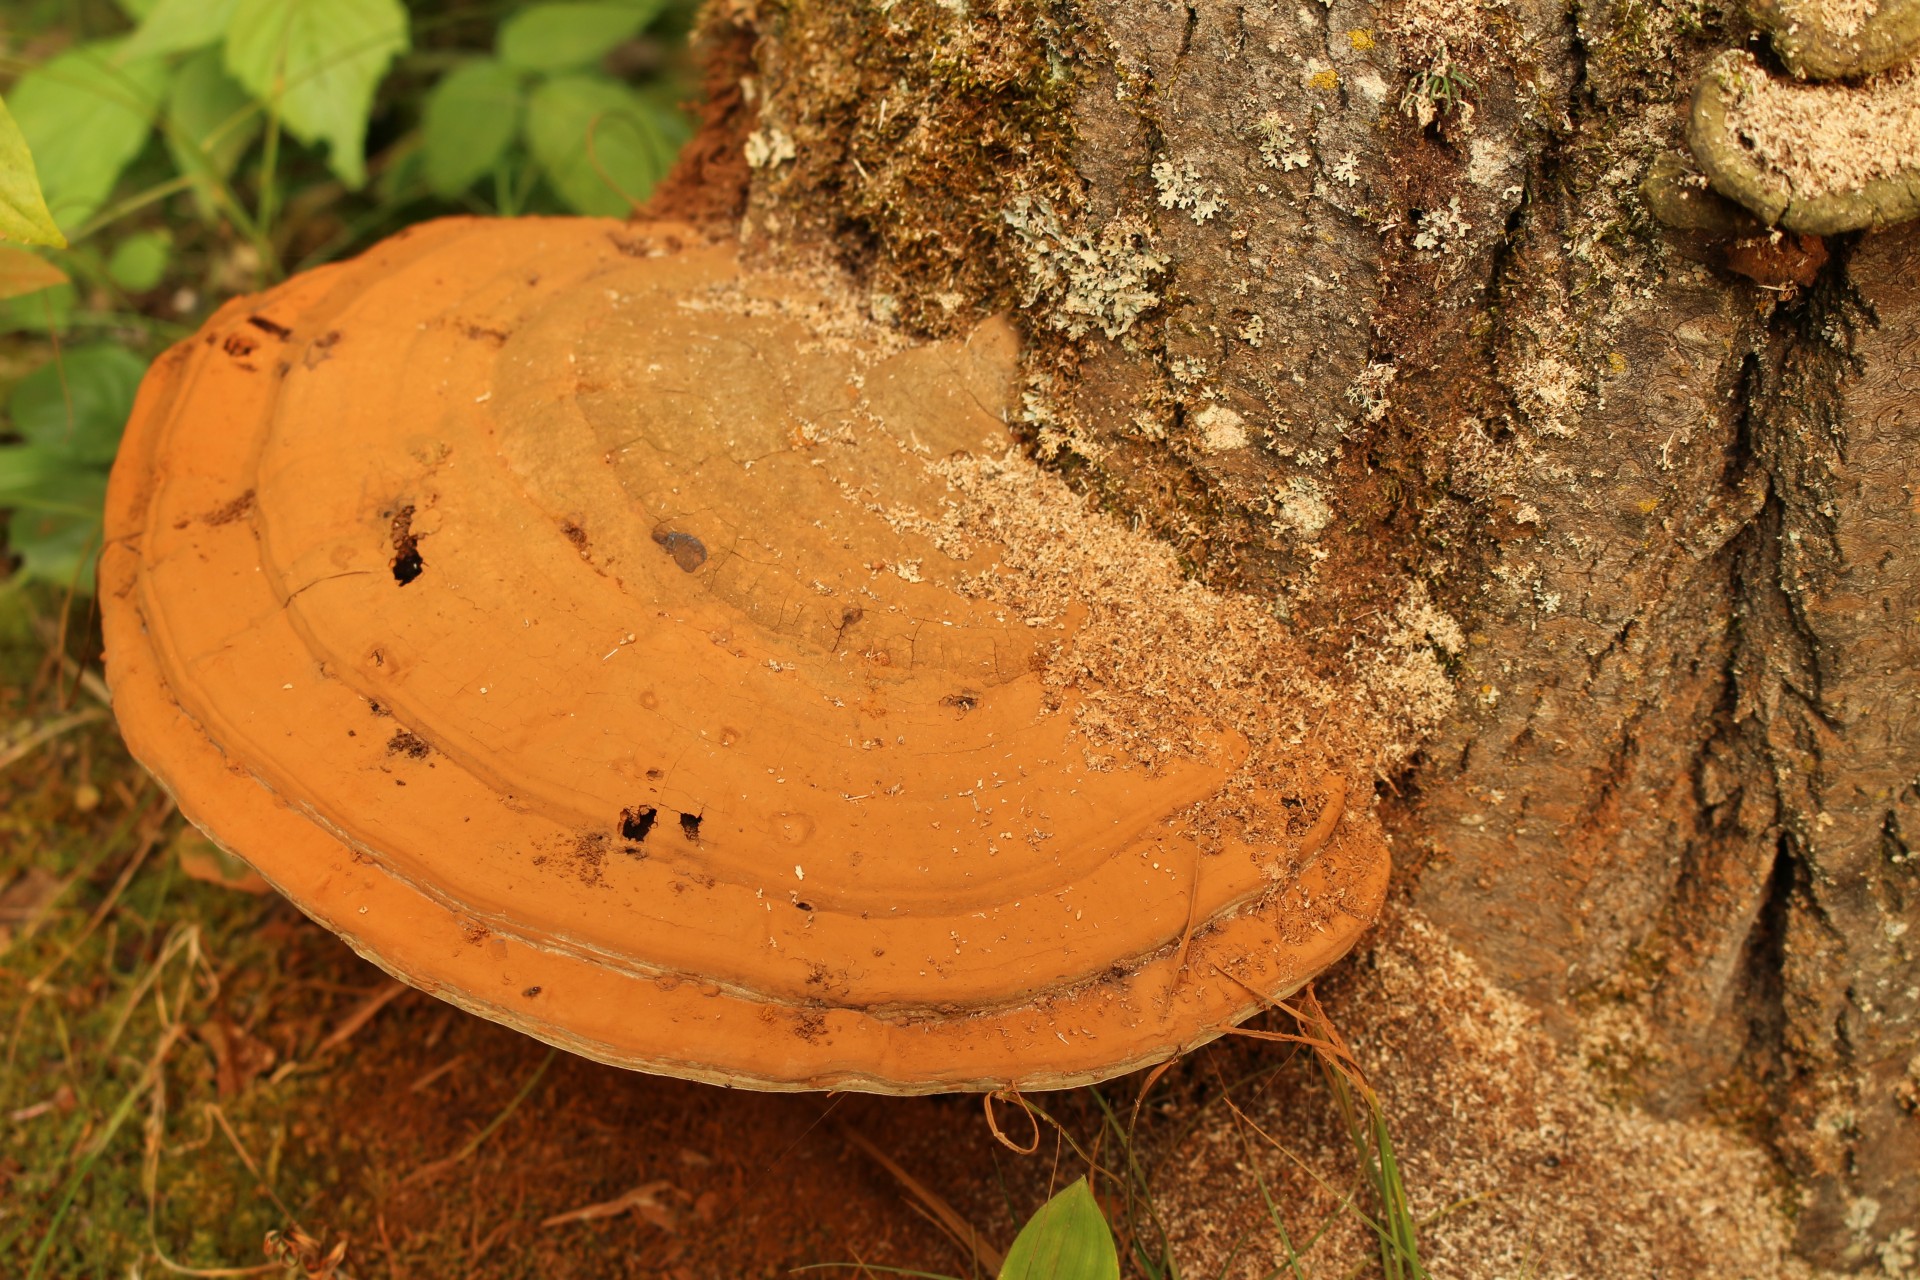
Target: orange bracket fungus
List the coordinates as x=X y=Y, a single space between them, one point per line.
x=667 y=661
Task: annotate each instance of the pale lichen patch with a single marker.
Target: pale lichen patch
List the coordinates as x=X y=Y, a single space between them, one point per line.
x=1181 y=187
x=1440 y=228
x=769 y=146
x=1279 y=146
x=1221 y=429
x=1301 y=508
x=1086 y=279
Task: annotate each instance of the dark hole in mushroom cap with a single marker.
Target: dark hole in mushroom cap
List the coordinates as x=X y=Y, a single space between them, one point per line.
x=407 y=563
x=690 y=825
x=636 y=822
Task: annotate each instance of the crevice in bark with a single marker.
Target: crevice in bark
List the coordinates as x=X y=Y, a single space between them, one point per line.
x=1748 y=1094
x=1799 y=692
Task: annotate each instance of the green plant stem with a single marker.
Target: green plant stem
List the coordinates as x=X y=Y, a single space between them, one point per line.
x=266 y=210
x=505 y=200
x=1138 y=1185
x=218 y=190
x=132 y=204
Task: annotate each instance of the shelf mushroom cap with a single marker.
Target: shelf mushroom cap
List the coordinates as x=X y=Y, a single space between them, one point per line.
x=1836 y=39
x=606 y=639
x=1816 y=158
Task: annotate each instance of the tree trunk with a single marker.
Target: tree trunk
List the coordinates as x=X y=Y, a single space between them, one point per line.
x=1360 y=308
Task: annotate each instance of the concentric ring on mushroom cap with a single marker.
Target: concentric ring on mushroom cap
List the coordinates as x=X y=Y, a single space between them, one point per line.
x=585 y=631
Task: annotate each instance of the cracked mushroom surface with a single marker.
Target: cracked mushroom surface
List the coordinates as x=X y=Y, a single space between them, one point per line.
x=664 y=660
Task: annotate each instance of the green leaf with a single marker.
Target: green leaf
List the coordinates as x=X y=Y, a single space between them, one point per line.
x=23 y=209
x=76 y=406
x=85 y=114
x=137 y=9
x=564 y=37
x=139 y=261
x=471 y=117
x=210 y=121
x=57 y=534
x=175 y=25
x=321 y=61
x=1067 y=1239
x=22 y=273
x=28 y=469
x=47 y=311
x=600 y=144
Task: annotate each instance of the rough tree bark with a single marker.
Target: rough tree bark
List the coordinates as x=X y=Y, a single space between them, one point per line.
x=1358 y=306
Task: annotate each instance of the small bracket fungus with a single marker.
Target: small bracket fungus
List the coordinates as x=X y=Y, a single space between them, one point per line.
x=1835 y=39
x=609 y=641
x=1713 y=228
x=1812 y=158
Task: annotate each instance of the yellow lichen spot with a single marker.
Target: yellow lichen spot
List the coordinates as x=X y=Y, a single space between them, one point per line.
x=1647 y=505
x=1361 y=39
x=1328 y=80
x=1616 y=362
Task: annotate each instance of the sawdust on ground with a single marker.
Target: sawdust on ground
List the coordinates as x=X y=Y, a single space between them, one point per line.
x=1519 y=1162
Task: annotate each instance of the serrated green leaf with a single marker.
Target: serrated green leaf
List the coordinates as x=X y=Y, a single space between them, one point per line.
x=598 y=142
x=77 y=406
x=172 y=26
x=210 y=121
x=23 y=208
x=85 y=114
x=471 y=117
x=1067 y=1239
x=22 y=273
x=138 y=262
x=568 y=36
x=320 y=61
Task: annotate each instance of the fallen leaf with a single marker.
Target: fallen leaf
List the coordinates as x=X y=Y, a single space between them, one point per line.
x=237 y=1056
x=26 y=894
x=22 y=272
x=203 y=860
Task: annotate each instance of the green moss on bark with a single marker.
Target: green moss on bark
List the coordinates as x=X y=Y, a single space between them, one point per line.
x=911 y=128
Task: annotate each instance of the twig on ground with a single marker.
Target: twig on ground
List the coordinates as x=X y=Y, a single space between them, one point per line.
x=362 y=1014
x=643 y=1199
x=434 y=1073
x=46 y=732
